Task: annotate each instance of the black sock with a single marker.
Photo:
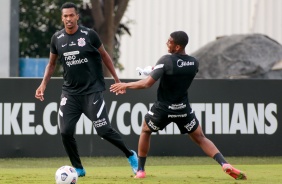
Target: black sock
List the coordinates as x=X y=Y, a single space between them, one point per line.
x=141 y=163
x=219 y=158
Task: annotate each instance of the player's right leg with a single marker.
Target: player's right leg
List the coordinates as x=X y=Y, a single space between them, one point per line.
x=143 y=149
x=69 y=113
x=155 y=120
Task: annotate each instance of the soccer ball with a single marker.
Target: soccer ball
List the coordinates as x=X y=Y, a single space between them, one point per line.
x=66 y=175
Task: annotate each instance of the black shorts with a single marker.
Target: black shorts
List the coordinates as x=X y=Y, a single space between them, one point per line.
x=160 y=115
x=91 y=105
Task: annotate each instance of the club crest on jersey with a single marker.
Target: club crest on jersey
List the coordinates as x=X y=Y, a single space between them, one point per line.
x=81 y=42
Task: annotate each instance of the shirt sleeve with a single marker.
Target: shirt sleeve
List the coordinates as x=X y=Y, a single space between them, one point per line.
x=160 y=68
x=53 y=47
x=95 y=39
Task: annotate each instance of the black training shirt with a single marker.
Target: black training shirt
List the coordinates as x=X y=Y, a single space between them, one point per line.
x=81 y=60
x=176 y=73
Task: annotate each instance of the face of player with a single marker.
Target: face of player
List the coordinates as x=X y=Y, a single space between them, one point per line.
x=70 y=18
x=171 y=46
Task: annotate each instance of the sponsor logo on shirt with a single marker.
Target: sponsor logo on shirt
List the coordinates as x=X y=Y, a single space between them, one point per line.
x=71 y=53
x=76 y=62
x=181 y=63
x=72 y=44
x=70 y=58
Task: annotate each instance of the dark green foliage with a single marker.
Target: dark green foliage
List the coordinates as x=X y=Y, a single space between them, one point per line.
x=39 y=20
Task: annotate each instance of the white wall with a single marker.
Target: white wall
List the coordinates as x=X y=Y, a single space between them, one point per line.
x=203 y=20
x=5 y=38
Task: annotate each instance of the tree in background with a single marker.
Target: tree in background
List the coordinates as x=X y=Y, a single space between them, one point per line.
x=106 y=18
x=40 y=19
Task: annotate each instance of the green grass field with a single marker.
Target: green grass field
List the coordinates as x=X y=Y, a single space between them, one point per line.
x=160 y=170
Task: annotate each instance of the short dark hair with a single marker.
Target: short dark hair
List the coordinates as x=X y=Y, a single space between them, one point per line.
x=69 y=5
x=180 y=38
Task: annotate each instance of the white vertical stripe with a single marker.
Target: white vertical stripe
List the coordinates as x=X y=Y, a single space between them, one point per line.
x=101 y=109
x=61 y=113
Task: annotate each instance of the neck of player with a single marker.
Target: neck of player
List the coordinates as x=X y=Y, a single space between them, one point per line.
x=71 y=30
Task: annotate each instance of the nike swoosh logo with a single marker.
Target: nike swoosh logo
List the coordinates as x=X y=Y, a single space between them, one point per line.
x=64 y=45
x=95 y=102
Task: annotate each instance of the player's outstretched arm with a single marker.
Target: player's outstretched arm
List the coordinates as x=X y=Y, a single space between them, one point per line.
x=141 y=84
x=49 y=70
x=108 y=62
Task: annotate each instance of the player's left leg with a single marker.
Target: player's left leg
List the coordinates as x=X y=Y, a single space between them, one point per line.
x=200 y=139
x=211 y=150
x=111 y=135
x=96 y=111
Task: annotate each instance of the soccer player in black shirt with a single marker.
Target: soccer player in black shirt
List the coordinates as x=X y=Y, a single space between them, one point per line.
x=81 y=53
x=176 y=72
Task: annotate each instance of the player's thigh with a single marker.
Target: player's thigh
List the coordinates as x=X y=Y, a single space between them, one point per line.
x=69 y=113
x=156 y=119
x=188 y=124
x=97 y=112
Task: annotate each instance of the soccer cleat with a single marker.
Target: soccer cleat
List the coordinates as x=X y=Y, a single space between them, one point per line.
x=80 y=172
x=140 y=174
x=233 y=172
x=133 y=161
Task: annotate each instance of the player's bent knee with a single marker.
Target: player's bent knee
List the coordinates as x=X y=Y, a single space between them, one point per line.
x=147 y=131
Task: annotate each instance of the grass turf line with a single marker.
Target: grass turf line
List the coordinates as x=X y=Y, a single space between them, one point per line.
x=167 y=170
